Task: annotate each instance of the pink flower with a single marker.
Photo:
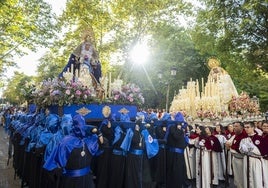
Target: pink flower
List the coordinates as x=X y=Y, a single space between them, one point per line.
x=116 y=97
x=78 y=92
x=74 y=84
x=136 y=90
x=67 y=92
x=87 y=92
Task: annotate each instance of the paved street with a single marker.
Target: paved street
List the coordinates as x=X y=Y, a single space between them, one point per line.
x=6 y=172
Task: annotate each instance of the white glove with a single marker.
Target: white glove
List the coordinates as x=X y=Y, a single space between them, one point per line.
x=250 y=146
x=201 y=143
x=243 y=148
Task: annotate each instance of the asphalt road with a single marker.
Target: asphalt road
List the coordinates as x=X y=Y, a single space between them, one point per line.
x=6 y=171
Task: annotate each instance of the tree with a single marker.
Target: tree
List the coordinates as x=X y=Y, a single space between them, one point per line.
x=49 y=66
x=236 y=33
x=24 y=25
x=116 y=26
x=16 y=88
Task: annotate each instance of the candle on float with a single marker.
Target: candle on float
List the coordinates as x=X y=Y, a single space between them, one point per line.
x=209 y=88
x=202 y=84
x=193 y=89
x=79 y=73
x=197 y=89
x=105 y=86
x=76 y=73
x=214 y=88
x=72 y=68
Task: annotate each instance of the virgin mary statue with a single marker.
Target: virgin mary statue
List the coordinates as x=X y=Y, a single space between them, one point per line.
x=220 y=76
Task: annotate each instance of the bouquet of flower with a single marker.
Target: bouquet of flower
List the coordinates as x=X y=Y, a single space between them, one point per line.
x=129 y=94
x=223 y=114
x=243 y=104
x=62 y=92
x=206 y=114
x=28 y=90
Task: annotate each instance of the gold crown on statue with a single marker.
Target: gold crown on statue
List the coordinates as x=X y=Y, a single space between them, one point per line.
x=88 y=35
x=213 y=62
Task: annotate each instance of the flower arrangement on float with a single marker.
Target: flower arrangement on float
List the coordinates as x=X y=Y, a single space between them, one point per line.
x=243 y=105
x=62 y=92
x=127 y=94
x=27 y=91
x=206 y=114
x=224 y=114
x=67 y=91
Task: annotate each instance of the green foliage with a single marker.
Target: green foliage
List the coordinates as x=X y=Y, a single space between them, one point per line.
x=118 y=26
x=233 y=31
x=49 y=66
x=23 y=25
x=236 y=33
x=18 y=88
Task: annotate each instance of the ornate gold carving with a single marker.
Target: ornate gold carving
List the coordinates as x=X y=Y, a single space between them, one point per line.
x=83 y=111
x=124 y=111
x=106 y=111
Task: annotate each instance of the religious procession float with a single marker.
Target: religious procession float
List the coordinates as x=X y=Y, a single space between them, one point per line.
x=81 y=89
x=215 y=100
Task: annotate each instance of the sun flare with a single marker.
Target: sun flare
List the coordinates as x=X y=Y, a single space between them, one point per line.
x=140 y=53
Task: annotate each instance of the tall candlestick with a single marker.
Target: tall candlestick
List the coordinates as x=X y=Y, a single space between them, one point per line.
x=76 y=73
x=72 y=68
x=202 y=80
x=197 y=89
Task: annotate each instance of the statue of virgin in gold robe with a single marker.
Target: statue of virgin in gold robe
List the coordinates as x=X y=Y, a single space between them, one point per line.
x=223 y=80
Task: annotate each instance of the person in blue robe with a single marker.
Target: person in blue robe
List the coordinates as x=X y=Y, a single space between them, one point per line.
x=48 y=179
x=118 y=158
x=52 y=126
x=7 y=119
x=166 y=117
x=141 y=114
x=103 y=160
x=21 y=133
x=17 y=127
x=160 y=158
x=38 y=126
x=124 y=117
x=141 y=147
x=72 y=157
x=29 y=126
x=150 y=117
x=176 y=143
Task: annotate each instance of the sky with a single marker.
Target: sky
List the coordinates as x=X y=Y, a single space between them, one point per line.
x=28 y=63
